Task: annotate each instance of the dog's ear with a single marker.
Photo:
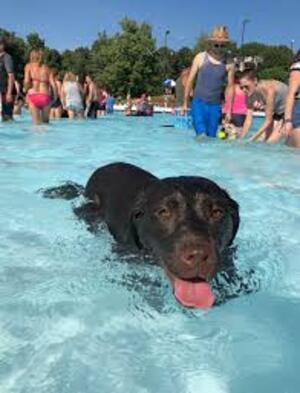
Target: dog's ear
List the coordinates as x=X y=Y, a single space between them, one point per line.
x=138 y=210
x=136 y=215
x=235 y=216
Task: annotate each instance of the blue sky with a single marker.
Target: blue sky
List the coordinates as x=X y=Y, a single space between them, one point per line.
x=67 y=24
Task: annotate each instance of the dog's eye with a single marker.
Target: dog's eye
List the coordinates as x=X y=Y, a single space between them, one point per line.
x=163 y=212
x=217 y=213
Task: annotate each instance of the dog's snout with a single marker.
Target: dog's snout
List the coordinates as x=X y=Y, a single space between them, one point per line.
x=196 y=255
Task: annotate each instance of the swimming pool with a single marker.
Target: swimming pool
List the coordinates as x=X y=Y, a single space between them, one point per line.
x=74 y=320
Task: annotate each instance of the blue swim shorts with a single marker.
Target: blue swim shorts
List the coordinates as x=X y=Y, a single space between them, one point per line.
x=206 y=117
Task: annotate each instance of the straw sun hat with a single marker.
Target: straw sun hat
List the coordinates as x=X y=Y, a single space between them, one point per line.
x=219 y=34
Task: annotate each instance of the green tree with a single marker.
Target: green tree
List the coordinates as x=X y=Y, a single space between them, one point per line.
x=202 y=43
x=53 y=58
x=165 y=60
x=34 y=41
x=126 y=61
x=272 y=56
x=76 y=61
x=183 y=59
x=278 y=73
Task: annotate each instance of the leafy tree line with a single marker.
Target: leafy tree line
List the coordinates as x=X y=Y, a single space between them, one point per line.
x=129 y=61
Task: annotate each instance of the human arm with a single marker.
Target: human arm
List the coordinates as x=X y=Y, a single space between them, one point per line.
x=230 y=90
x=9 y=67
x=270 y=94
x=63 y=95
x=197 y=63
x=247 y=123
x=89 y=94
x=294 y=85
x=27 y=78
x=53 y=85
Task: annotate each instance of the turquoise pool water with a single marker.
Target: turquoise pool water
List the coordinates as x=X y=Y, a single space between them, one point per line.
x=75 y=320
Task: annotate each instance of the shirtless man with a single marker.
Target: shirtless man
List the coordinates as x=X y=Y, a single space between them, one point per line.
x=181 y=83
x=211 y=72
x=269 y=96
x=37 y=81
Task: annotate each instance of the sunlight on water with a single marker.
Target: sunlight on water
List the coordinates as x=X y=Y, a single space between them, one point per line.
x=77 y=317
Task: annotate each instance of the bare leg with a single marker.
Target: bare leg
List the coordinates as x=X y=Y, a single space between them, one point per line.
x=294 y=139
x=58 y=112
x=276 y=133
x=71 y=114
x=45 y=114
x=35 y=114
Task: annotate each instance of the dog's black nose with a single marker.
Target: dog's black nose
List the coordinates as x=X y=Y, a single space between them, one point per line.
x=193 y=257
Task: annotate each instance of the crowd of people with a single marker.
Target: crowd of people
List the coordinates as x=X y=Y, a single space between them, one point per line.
x=201 y=88
x=46 y=95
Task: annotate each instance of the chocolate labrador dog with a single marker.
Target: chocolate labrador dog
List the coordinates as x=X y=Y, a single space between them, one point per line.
x=188 y=223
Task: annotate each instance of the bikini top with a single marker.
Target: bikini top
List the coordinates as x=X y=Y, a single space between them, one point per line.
x=40 y=79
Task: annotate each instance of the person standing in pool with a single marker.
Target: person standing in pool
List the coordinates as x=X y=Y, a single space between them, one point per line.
x=211 y=72
x=7 y=81
x=292 y=109
x=37 y=82
x=92 y=104
x=269 y=96
x=71 y=94
x=56 y=105
x=236 y=109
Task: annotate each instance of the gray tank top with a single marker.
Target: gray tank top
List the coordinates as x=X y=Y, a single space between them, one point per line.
x=280 y=98
x=210 y=80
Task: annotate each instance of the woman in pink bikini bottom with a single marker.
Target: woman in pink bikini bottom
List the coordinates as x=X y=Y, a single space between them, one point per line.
x=38 y=80
x=39 y=100
x=39 y=105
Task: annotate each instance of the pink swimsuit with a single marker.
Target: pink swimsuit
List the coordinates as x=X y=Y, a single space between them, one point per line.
x=39 y=100
x=239 y=106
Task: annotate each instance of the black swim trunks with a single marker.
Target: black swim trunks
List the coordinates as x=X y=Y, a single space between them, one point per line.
x=278 y=117
x=56 y=104
x=238 y=120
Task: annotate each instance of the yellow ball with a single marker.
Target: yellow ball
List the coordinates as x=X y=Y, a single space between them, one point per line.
x=221 y=134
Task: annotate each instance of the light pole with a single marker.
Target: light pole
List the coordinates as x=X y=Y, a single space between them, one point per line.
x=166 y=61
x=167 y=32
x=244 y=24
x=292 y=45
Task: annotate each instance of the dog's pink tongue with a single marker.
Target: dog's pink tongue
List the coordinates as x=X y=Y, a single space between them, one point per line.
x=192 y=294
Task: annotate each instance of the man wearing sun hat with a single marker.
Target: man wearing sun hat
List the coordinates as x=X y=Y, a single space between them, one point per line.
x=211 y=72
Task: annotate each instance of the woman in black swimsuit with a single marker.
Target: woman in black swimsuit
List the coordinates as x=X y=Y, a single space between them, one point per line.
x=56 y=106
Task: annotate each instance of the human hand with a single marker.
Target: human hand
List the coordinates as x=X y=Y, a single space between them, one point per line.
x=227 y=118
x=9 y=97
x=183 y=110
x=287 y=129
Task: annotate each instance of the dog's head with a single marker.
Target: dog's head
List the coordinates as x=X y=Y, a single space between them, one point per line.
x=187 y=228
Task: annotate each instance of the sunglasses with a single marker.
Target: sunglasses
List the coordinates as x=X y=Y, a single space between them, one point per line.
x=244 y=87
x=219 y=46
